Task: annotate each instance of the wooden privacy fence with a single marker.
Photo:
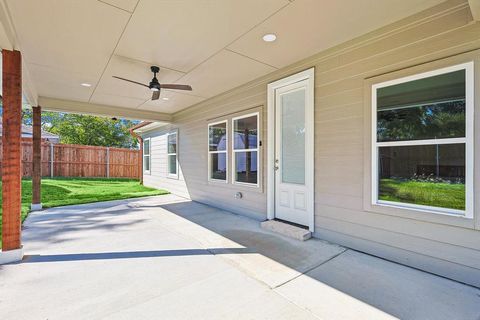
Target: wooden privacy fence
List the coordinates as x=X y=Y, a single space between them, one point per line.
x=71 y=160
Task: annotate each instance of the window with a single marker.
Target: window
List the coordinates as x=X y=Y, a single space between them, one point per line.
x=423 y=141
x=245 y=145
x=217 y=151
x=146 y=155
x=172 y=163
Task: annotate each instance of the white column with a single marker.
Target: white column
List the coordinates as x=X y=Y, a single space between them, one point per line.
x=108 y=162
x=51 y=159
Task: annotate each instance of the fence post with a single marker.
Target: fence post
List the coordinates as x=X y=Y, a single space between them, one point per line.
x=51 y=159
x=108 y=162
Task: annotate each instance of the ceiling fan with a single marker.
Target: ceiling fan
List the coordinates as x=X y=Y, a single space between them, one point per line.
x=155 y=86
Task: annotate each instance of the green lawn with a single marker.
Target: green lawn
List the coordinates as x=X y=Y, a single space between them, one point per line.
x=66 y=191
x=436 y=194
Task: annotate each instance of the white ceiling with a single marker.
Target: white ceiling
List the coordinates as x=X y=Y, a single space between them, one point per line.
x=213 y=45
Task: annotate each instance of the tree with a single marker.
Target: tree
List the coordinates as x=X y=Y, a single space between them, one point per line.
x=86 y=129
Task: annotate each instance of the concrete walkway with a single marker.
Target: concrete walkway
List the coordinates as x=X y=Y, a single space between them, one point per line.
x=168 y=258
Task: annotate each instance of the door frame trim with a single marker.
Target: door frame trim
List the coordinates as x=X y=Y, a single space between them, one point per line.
x=308 y=75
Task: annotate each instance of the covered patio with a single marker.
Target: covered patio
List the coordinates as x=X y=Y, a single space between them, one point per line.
x=67 y=56
x=200 y=252
x=171 y=258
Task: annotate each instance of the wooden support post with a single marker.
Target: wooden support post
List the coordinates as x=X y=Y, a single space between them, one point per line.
x=11 y=139
x=37 y=159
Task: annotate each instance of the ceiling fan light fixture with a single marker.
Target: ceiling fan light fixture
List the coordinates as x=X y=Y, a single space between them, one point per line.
x=155 y=86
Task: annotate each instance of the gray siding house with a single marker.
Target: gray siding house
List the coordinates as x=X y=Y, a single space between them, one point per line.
x=372 y=144
x=27 y=133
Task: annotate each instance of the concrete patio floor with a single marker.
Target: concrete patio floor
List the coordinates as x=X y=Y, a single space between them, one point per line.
x=168 y=258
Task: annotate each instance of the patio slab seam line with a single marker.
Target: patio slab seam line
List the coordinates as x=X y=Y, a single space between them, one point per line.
x=312 y=268
x=130 y=305
x=298 y=305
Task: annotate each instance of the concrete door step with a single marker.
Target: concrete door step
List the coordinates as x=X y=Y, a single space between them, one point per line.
x=286 y=229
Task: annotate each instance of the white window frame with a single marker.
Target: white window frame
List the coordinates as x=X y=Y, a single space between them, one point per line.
x=149 y=155
x=257 y=149
x=468 y=140
x=171 y=175
x=210 y=179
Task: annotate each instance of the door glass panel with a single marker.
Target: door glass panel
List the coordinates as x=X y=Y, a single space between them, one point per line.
x=293 y=137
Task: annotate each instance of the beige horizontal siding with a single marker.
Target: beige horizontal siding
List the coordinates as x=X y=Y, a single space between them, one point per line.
x=450 y=249
x=421 y=261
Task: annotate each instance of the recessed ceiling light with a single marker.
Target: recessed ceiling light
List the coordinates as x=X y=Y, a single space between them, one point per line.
x=86 y=84
x=165 y=98
x=269 y=37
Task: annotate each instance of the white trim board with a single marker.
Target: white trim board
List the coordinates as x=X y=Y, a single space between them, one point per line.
x=149 y=156
x=257 y=150
x=172 y=175
x=59 y=105
x=209 y=178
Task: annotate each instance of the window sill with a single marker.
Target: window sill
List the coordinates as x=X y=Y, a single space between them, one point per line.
x=424 y=209
x=421 y=214
x=246 y=185
x=216 y=181
x=236 y=186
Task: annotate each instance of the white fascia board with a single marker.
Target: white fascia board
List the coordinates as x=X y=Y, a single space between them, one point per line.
x=8 y=38
x=9 y=41
x=59 y=105
x=475 y=9
x=150 y=127
x=28 y=88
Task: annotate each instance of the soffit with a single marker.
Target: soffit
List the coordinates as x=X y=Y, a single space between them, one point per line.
x=213 y=45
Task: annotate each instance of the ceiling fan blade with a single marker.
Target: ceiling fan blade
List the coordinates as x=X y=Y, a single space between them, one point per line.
x=176 y=86
x=131 y=81
x=155 y=95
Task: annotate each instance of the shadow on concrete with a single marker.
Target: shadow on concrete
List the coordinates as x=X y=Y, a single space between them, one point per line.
x=62 y=221
x=297 y=255
x=397 y=290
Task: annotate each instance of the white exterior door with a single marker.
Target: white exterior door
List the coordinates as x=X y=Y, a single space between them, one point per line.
x=293 y=162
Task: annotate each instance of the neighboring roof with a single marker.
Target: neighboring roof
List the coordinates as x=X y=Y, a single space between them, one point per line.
x=27 y=132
